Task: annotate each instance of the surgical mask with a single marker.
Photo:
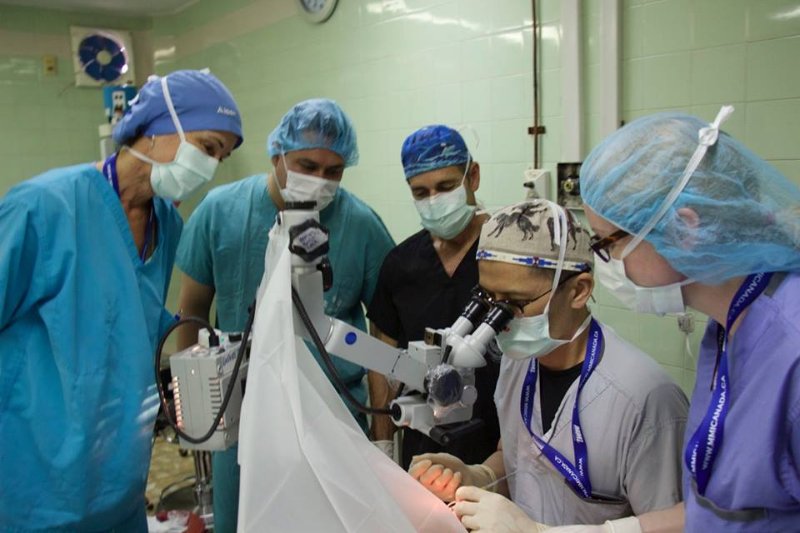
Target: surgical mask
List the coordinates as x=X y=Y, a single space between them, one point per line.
x=446 y=214
x=529 y=336
x=190 y=170
x=306 y=188
x=667 y=298
x=656 y=300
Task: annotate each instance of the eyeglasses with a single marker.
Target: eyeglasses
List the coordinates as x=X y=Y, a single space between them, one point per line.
x=600 y=245
x=520 y=304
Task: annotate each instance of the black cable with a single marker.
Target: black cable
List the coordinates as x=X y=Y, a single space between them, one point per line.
x=326 y=358
x=213 y=341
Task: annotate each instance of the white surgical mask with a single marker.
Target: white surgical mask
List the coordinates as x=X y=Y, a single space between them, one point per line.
x=190 y=170
x=667 y=298
x=656 y=300
x=446 y=214
x=529 y=336
x=306 y=188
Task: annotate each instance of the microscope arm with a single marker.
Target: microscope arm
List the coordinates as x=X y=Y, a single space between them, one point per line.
x=348 y=342
x=440 y=370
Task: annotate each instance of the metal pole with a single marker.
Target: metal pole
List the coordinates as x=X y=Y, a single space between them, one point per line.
x=202 y=488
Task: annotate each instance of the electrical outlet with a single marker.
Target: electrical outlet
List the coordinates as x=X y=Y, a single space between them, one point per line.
x=686 y=322
x=50 y=65
x=537 y=181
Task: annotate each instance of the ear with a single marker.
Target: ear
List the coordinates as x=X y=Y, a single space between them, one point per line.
x=474 y=176
x=690 y=221
x=275 y=159
x=581 y=290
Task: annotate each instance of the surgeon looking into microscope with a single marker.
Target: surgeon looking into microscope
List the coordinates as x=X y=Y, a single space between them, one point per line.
x=587 y=421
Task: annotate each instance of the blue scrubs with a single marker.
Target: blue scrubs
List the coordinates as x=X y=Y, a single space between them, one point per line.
x=224 y=246
x=80 y=315
x=755 y=479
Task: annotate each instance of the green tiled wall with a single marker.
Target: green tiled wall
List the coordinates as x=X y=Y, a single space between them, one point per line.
x=695 y=55
x=45 y=121
x=395 y=65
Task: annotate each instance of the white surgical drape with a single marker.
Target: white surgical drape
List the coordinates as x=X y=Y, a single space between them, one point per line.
x=305 y=463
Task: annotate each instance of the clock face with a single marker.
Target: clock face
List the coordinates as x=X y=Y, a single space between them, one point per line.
x=313 y=5
x=317 y=10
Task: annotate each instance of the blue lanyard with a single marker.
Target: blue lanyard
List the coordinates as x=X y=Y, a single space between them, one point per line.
x=576 y=476
x=704 y=445
x=110 y=172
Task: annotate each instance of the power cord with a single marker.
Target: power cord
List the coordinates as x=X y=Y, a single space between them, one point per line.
x=213 y=341
x=326 y=358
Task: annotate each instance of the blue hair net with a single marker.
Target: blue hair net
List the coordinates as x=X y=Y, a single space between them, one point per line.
x=201 y=102
x=431 y=148
x=748 y=213
x=316 y=123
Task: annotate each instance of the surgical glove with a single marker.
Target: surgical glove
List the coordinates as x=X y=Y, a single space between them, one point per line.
x=628 y=524
x=442 y=474
x=386 y=446
x=482 y=510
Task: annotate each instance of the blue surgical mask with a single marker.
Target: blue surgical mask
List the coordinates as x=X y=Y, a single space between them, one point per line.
x=190 y=170
x=446 y=214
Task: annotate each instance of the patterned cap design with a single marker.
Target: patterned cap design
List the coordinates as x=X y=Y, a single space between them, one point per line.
x=524 y=234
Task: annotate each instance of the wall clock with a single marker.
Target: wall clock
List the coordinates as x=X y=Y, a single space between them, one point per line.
x=317 y=11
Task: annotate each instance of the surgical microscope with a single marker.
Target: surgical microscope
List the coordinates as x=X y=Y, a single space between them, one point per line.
x=437 y=373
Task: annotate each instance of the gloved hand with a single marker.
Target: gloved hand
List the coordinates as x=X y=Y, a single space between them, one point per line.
x=442 y=474
x=629 y=524
x=386 y=446
x=486 y=511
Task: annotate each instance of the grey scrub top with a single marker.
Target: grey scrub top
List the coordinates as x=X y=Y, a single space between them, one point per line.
x=633 y=417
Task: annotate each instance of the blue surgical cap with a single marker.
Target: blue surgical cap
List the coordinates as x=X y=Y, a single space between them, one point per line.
x=316 y=123
x=432 y=148
x=748 y=214
x=201 y=101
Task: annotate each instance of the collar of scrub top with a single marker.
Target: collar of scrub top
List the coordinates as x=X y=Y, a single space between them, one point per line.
x=110 y=172
x=704 y=445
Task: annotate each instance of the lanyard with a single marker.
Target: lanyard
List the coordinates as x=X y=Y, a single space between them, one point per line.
x=110 y=172
x=706 y=442
x=576 y=476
